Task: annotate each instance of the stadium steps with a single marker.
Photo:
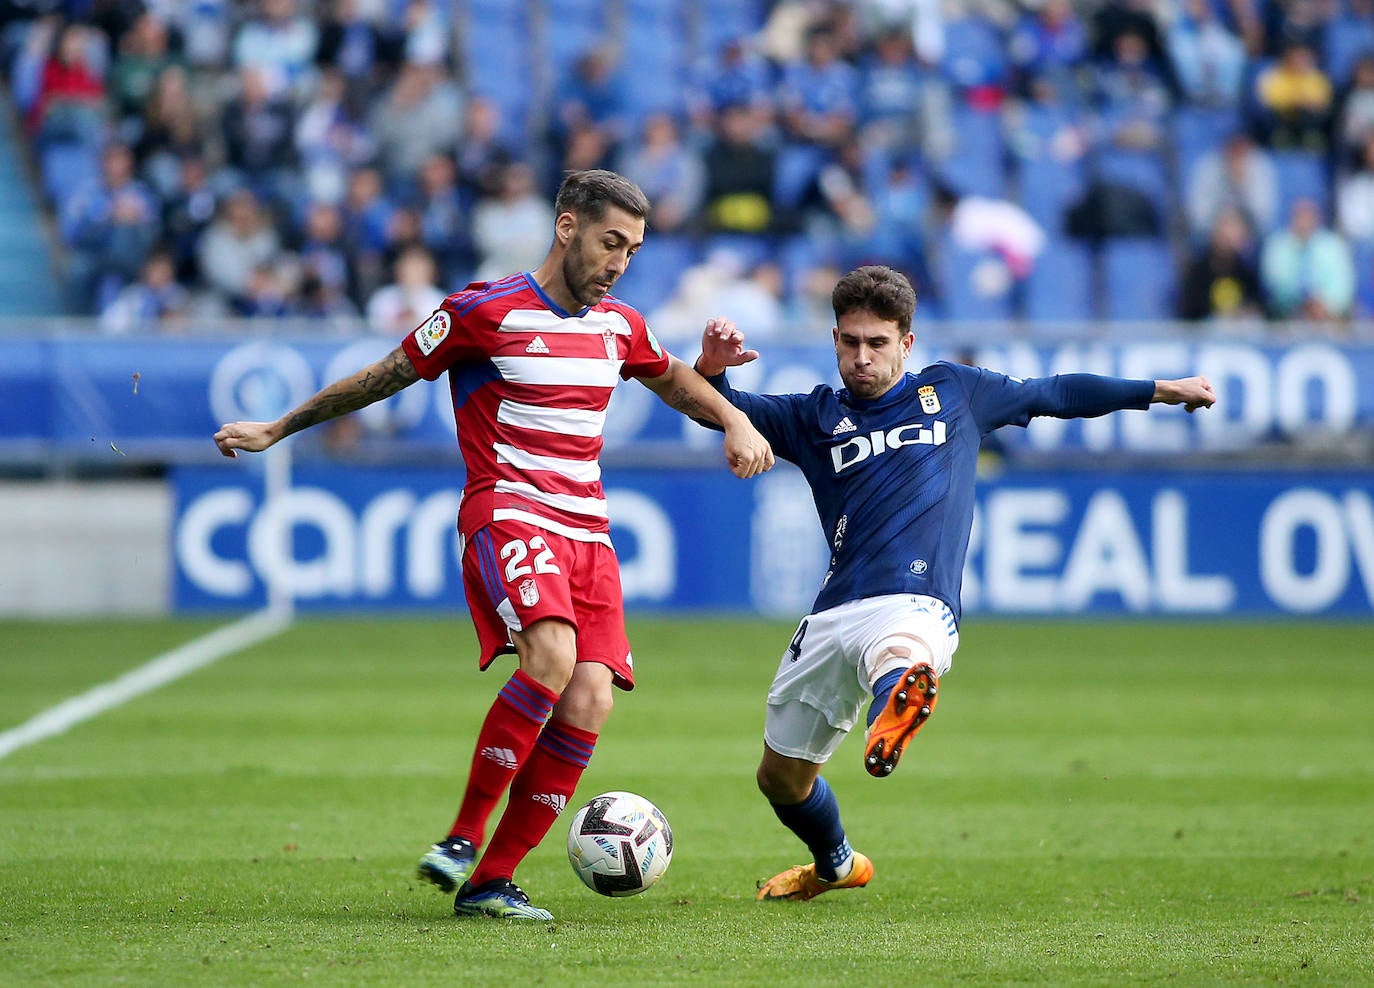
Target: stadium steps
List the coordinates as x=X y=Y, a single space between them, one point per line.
x=28 y=279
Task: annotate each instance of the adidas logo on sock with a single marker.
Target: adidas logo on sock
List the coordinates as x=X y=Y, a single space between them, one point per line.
x=552 y=800
x=501 y=756
x=844 y=426
x=537 y=345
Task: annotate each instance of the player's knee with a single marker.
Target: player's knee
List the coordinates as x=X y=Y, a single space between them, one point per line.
x=897 y=653
x=781 y=787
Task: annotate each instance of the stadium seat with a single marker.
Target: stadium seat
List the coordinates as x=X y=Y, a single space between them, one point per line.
x=974 y=285
x=1144 y=171
x=977 y=165
x=1060 y=286
x=1364 y=279
x=1301 y=175
x=1139 y=278
x=66 y=166
x=1198 y=130
x=1347 y=37
x=797 y=166
x=1048 y=187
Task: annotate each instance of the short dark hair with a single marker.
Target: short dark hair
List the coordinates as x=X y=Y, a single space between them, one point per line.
x=877 y=289
x=586 y=194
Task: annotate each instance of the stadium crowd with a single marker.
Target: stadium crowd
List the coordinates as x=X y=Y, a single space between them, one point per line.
x=1054 y=160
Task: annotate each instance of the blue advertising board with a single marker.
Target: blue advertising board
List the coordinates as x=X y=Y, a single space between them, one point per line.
x=1185 y=543
x=160 y=397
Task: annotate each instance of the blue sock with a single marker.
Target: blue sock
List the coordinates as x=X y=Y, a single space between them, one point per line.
x=816 y=820
x=882 y=689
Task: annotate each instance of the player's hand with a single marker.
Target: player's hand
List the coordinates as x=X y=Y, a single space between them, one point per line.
x=747 y=452
x=722 y=346
x=251 y=437
x=1190 y=392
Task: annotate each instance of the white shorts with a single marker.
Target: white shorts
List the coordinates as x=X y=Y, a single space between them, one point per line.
x=825 y=678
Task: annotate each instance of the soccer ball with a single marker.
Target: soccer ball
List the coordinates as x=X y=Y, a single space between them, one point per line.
x=620 y=844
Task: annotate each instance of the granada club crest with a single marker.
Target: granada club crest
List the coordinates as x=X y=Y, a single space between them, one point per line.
x=529 y=593
x=608 y=338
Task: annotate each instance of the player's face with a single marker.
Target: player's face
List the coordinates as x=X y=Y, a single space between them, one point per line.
x=871 y=352
x=599 y=252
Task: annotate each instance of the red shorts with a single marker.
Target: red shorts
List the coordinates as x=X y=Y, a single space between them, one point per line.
x=515 y=573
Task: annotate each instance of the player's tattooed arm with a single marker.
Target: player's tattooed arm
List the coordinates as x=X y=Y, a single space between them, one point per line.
x=380 y=380
x=682 y=388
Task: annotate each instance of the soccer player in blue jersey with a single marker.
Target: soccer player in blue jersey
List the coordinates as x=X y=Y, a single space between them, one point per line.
x=891 y=460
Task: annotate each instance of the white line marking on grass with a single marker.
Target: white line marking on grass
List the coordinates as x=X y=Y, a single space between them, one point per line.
x=170 y=666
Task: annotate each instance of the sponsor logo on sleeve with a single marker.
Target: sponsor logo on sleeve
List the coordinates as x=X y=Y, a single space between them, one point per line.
x=653 y=341
x=432 y=333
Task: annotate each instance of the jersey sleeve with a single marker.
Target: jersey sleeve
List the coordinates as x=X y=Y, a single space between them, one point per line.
x=647 y=357
x=777 y=417
x=442 y=340
x=997 y=400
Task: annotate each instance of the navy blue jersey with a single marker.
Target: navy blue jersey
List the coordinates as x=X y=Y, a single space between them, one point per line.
x=893 y=478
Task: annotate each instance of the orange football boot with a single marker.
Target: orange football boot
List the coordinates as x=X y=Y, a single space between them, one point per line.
x=908 y=708
x=801 y=883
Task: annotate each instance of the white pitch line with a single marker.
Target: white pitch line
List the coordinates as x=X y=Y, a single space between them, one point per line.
x=169 y=666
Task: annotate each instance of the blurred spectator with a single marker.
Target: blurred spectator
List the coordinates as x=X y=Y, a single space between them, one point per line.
x=186 y=214
x=280 y=42
x=266 y=294
x=738 y=77
x=316 y=300
x=258 y=128
x=978 y=223
x=511 y=229
x=723 y=285
x=1294 y=100
x=323 y=252
x=144 y=54
x=1209 y=58
x=585 y=146
x=426 y=33
x=331 y=139
x=204 y=27
x=837 y=214
x=110 y=226
x=810 y=311
x=1306 y=269
x=670 y=172
x=168 y=131
x=410 y=298
x=154 y=301
x=239 y=242
x=421 y=114
x=482 y=153
x=1115 y=18
x=1049 y=41
x=351 y=46
x=367 y=224
x=1221 y=281
x=740 y=174
x=819 y=96
x=904 y=105
x=592 y=98
x=1133 y=95
x=1355 y=199
x=1238 y=175
x=1355 y=116
x=444 y=219
x=69 y=104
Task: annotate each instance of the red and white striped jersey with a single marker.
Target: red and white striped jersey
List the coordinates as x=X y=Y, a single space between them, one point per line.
x=530 y=385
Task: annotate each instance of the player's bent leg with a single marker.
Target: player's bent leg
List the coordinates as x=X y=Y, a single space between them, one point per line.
x=910 y=700
x=805 y=804
x=499 y=898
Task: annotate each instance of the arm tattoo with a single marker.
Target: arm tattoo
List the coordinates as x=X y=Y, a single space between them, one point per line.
x=382 y=380
x=680 y=399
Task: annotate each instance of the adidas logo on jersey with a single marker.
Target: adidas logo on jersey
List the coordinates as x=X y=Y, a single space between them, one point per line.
x=552 y=800
x=501 y=756
x=537 y=345
x=844 y=426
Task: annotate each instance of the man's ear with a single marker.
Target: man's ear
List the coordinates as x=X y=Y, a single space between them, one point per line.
x=565 y=228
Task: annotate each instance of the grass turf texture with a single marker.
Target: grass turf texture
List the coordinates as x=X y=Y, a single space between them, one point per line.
x=1102 y=804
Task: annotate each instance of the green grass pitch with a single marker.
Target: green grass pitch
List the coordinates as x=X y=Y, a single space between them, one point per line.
x=1094 y=803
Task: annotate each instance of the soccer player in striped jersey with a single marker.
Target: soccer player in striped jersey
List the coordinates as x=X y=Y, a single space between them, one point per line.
x=891 y=460
x=532 y=360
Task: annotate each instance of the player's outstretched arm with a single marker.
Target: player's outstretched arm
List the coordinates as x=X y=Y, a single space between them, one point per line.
x=746 y=451
x=1190 y=392
x=380 y=380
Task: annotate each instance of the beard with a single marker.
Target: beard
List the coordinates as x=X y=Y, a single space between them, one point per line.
x=581 y=282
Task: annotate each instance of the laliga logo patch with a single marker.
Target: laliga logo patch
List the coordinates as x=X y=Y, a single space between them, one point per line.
x=529 y=593
x=930 y=401
x=432 y=333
